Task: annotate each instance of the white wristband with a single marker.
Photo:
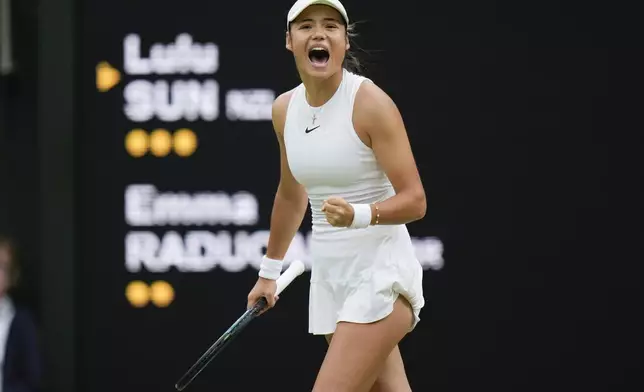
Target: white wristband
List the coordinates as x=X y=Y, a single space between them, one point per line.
x=361 y=216
x=270 y=268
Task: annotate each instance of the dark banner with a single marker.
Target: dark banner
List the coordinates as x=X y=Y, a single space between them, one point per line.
x=179 y=166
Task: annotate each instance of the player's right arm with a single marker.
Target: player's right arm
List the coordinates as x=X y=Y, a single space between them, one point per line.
x=288 y=212
x=291 y=200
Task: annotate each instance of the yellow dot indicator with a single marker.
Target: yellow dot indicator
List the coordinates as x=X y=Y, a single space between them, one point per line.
x=162 y=293
x=160 y=142
x=137 y=143
x=138 y=293
x=185 y=142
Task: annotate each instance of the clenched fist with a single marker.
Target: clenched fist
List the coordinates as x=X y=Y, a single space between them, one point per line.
x=338 y=212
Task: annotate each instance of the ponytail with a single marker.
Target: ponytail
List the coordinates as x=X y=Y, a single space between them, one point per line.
x=352 y=62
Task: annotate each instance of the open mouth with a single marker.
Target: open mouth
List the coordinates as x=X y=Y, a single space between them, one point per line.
x=318 y=56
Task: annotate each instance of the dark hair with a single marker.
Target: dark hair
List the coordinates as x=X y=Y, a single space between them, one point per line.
x=352 y=61
x=14 y=267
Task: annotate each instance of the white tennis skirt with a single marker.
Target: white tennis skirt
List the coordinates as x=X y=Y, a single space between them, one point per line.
x=357 y=275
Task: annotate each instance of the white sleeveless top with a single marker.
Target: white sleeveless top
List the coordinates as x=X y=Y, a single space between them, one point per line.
x=356 y=274
x=326 y=155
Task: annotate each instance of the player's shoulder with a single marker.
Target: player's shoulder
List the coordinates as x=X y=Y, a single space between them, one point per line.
x=372 y=103
x=280 y=103
x=370 y=94
x=280 y=106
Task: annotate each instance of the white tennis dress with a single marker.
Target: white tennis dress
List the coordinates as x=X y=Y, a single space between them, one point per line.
x=356 y=274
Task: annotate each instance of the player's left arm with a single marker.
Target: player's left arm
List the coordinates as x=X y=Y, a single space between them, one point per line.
x=377 y=116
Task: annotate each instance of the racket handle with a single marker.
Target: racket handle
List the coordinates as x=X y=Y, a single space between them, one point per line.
x=259 y=306
x=293 y=271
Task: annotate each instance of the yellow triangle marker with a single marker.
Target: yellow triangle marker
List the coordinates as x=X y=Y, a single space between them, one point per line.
x=106 y=76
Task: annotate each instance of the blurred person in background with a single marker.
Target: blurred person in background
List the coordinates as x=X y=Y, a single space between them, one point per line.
x=20 y=365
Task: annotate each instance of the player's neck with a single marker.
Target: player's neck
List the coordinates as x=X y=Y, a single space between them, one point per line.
x=319 y=91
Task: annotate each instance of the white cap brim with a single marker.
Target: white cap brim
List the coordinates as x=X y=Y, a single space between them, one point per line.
x=301 y=5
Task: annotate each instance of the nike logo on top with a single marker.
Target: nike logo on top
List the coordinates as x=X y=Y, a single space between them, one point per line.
x=311 y=130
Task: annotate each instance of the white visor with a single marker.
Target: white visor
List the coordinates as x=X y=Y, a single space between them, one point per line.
x=301 y=5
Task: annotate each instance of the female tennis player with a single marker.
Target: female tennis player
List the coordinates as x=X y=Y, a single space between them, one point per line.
x=344 y=149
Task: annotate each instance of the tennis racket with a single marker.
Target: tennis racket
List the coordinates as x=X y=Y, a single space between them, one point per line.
x=294 y=270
